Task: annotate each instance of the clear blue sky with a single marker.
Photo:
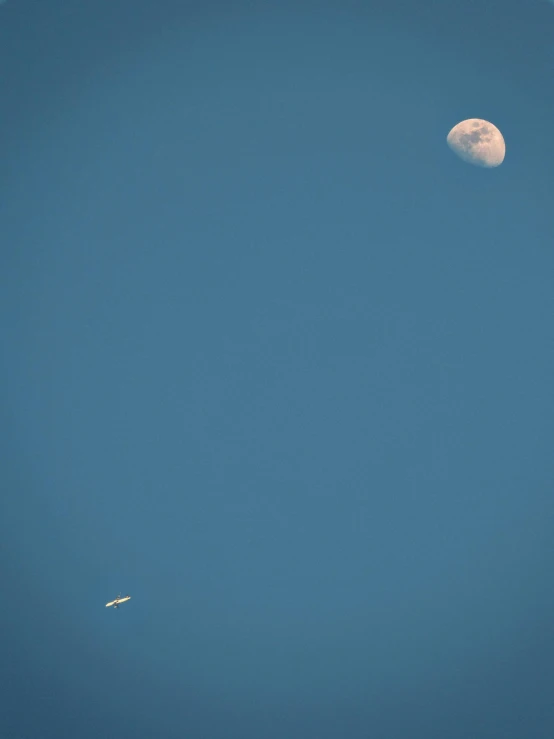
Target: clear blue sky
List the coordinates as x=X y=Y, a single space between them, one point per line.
x=280 y=366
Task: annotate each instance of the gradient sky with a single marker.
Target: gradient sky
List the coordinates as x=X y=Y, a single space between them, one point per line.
x=278 y=364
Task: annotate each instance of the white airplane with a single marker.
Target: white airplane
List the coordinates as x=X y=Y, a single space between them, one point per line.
x=115 y=603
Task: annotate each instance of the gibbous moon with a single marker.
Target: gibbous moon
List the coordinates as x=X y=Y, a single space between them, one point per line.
x=478 y=142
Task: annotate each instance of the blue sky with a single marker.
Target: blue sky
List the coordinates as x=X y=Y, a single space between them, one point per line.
x=279 y=365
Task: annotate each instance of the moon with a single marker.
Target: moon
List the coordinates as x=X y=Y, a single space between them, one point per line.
x=477 y=142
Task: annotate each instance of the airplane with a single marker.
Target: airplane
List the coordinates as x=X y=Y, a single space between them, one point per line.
x=115 y=603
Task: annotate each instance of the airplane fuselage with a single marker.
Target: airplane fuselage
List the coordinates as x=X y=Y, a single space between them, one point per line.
x=115 y=603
